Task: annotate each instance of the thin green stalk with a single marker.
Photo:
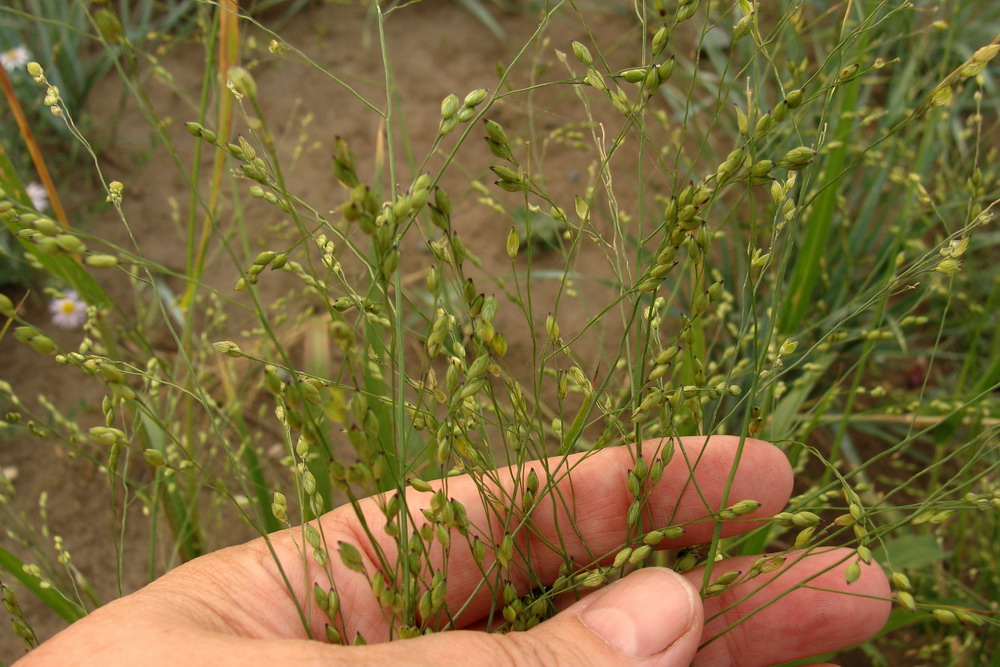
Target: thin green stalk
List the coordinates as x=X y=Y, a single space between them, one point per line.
x=399 y=352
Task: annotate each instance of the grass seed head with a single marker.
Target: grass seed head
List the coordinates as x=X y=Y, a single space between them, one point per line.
x=742 y=27
x=582 y=53
x=686 y=563
x=640 y=554
x=986 y=53
x=945 y=616
x=110 y=26
x=744 y=507
x=797 y=158
x=660 y=39
x=242 y=82
x=154 y=458
x=804 y=536
x=475 y=98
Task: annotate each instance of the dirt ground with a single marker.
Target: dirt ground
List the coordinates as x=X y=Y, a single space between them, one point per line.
x=436 y=48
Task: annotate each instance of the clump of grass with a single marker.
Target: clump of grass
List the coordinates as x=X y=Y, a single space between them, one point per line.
x=781 y=233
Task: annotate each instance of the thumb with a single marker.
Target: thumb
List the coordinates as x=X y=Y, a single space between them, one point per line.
x=651 y=617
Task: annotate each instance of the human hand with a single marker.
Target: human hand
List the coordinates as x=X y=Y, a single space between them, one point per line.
x=233 y=606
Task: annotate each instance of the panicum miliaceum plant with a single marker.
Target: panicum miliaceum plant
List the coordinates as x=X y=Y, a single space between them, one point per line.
x=765 y=219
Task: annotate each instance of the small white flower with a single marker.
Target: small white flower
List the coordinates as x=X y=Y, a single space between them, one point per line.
x=14 y=59
x=38 y=195
x=69 y=312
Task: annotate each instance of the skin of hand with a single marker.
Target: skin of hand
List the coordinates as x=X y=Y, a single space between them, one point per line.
x=232 y=606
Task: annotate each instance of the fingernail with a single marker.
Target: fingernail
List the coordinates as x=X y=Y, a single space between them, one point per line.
x=644 y=613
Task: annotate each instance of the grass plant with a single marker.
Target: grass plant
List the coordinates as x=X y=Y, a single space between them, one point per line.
x=781 y=225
